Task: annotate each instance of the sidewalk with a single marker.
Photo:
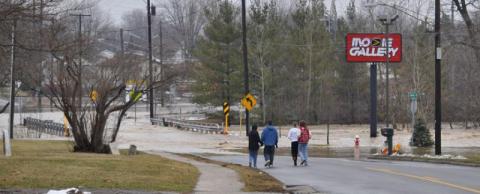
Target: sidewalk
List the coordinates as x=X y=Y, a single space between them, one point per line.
x=213 y=178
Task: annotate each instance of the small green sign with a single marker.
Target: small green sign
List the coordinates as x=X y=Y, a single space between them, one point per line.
x=413 y=95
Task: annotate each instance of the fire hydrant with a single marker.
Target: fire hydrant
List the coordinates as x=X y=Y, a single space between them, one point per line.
x=356 y=149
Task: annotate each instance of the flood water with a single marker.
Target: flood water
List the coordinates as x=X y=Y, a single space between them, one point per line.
x=345 y=152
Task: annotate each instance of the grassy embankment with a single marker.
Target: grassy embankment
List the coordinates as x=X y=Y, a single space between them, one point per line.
x=52 y=164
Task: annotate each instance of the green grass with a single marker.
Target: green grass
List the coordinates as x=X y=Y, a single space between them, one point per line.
x=474 y=158
x=52 y=164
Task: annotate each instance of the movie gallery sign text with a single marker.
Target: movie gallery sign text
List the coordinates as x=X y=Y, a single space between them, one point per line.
x=373 y=48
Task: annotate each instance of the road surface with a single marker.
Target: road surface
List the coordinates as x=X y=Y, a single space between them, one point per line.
x=333 y=175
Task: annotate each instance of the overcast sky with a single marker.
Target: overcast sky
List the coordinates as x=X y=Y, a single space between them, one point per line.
x=117 y=8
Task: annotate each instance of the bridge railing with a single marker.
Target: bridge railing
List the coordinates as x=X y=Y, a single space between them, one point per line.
x=188 y=125
x=44 y=126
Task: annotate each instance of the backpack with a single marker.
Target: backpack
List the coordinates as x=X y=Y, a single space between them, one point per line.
x=304 y=135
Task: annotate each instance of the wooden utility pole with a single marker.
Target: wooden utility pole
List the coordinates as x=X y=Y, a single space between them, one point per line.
x=80 y=90
x=438 y=88
x=245 y=63
x=12 y=79
x=122 y=47
x=162 y=70
x=150 y=65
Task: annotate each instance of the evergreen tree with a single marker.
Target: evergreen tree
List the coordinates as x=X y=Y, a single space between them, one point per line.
x=219 y=75
x=421 y=135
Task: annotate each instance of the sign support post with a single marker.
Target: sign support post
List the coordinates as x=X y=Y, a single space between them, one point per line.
x=373 y=100
x=226 y=112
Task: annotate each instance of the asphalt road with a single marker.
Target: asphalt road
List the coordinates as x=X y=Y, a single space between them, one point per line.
x=333 y=175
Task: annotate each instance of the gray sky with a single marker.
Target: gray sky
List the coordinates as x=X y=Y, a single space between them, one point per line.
x=117 y=8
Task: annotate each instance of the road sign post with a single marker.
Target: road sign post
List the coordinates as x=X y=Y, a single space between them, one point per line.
x=413 y=106
x=226 y=112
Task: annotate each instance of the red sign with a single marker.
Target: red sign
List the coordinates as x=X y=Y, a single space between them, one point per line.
x=373 y=48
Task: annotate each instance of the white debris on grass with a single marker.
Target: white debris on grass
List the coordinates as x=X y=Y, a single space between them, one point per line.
x=440 y=157
x=68 y=191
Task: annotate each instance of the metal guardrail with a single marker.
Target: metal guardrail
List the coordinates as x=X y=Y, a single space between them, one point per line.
x=44 y=126
x=188 y=125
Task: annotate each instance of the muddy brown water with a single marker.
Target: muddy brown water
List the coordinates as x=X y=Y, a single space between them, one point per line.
x=345 y=152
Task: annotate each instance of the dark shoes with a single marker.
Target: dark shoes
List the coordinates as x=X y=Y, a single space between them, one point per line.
x=268 y=164
x=304 y=163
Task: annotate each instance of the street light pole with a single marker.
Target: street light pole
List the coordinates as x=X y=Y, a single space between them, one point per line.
x=387 y=21
x=438 y=74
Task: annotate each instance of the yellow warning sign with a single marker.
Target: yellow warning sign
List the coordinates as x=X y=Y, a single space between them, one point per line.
x=249 y=101
x=93 y=95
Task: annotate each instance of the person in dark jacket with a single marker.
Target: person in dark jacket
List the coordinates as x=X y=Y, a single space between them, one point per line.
x=254 y=144
x=270 y=139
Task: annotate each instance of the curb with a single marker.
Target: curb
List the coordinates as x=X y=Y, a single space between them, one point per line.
x=426 y=160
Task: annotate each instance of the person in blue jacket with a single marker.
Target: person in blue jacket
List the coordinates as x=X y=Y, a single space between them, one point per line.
x=270 y=140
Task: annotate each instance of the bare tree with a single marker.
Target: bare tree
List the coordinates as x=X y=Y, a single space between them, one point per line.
x=187 y=19
x=104 y=80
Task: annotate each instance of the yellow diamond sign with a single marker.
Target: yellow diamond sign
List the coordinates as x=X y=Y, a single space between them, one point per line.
x=249 y=101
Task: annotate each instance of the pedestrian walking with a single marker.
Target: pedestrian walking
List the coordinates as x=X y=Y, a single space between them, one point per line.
x=293 y=135
x=254 y=143
x=270 y=140
x=305 y=136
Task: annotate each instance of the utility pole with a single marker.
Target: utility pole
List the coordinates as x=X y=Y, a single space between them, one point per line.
x=438 y=74
x=122 y=48
x=387 y=74
x=12 y=79
x=80 y=16
x=160 y=35
x=245 y=62
x=150 y=65
x=452 y=8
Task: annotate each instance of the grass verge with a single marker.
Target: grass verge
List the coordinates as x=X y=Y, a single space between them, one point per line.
x=255 y=180
x=52 y=164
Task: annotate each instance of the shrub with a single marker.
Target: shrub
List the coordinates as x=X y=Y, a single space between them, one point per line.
x=421 y=136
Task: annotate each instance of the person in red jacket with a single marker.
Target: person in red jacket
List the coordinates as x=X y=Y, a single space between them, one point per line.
x=305 y=136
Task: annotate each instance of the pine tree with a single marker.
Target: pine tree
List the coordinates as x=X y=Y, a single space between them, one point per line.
x=421 y=135
x=218 y=75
